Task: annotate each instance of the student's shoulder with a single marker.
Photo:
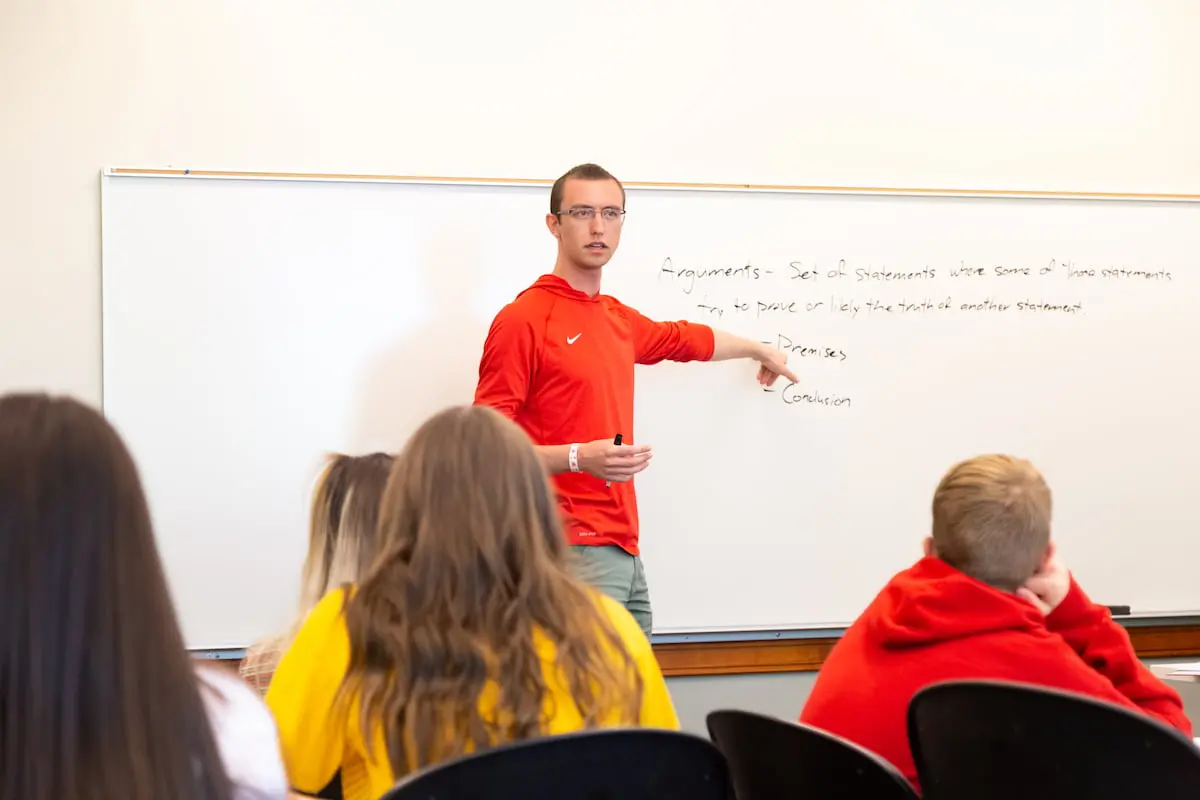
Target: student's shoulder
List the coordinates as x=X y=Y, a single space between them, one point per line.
x=324 y=623
x=623 y=622
x=330 y=610
x=229 y=698
x=318 y=653
x=245 y=731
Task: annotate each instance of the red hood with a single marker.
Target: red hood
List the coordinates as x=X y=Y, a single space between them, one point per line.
x=560 y=288
x=932 y=602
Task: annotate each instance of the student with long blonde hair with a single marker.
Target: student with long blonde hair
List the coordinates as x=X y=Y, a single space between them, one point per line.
x=342 y=539
x=469 y=630
x=98 y=697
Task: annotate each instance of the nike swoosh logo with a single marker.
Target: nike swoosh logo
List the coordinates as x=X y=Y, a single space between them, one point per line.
x=571 y=339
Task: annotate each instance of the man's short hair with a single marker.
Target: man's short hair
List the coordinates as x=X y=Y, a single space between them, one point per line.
x=991 y=519
x=586 y=172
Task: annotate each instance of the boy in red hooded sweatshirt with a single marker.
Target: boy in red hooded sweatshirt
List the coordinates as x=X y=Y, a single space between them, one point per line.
x=988 y=601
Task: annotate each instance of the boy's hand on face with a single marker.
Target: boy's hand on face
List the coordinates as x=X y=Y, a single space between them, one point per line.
x=1048 y=587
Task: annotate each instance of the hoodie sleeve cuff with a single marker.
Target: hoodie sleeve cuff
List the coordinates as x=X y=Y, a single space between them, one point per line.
x=1075 y=609
x=704 y=341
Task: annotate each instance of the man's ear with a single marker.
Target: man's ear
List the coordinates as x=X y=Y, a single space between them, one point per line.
x=552 y=225
x=1047 y=557
x=928 y=547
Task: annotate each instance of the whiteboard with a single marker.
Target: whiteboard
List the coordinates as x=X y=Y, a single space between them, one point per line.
x=253 y=324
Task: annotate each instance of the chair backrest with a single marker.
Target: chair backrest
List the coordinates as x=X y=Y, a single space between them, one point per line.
x=997 y=739
x=609 y=764
x=769 y=758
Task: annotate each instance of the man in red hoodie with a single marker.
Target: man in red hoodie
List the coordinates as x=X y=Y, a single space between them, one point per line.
x=988 y=601
x=559 y=361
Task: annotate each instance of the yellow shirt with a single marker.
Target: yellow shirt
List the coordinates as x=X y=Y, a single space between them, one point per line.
x=316 y=747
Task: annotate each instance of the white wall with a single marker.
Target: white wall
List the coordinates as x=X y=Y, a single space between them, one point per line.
x=1061 y=94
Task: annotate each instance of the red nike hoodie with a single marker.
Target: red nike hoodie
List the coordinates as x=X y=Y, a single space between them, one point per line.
x=932 y=623
x=560 y=363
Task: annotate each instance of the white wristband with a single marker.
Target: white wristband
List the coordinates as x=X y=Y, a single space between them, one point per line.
x=573 y=458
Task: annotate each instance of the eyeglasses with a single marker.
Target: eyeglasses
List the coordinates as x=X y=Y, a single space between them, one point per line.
x=583 y=213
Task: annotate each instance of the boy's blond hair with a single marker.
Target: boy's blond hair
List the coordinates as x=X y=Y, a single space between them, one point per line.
x=991 y=519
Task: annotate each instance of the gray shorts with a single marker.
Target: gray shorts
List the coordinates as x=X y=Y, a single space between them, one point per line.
x=617 y=574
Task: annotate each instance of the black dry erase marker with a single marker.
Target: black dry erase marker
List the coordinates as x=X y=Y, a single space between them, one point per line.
x=615 y=441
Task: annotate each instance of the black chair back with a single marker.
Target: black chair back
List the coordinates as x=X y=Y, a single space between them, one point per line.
x=771 y=759
x=997 y=739
x=611 y=764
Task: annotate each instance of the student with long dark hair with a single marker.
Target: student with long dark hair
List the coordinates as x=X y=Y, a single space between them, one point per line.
x=470 y=628
x=98 y=696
